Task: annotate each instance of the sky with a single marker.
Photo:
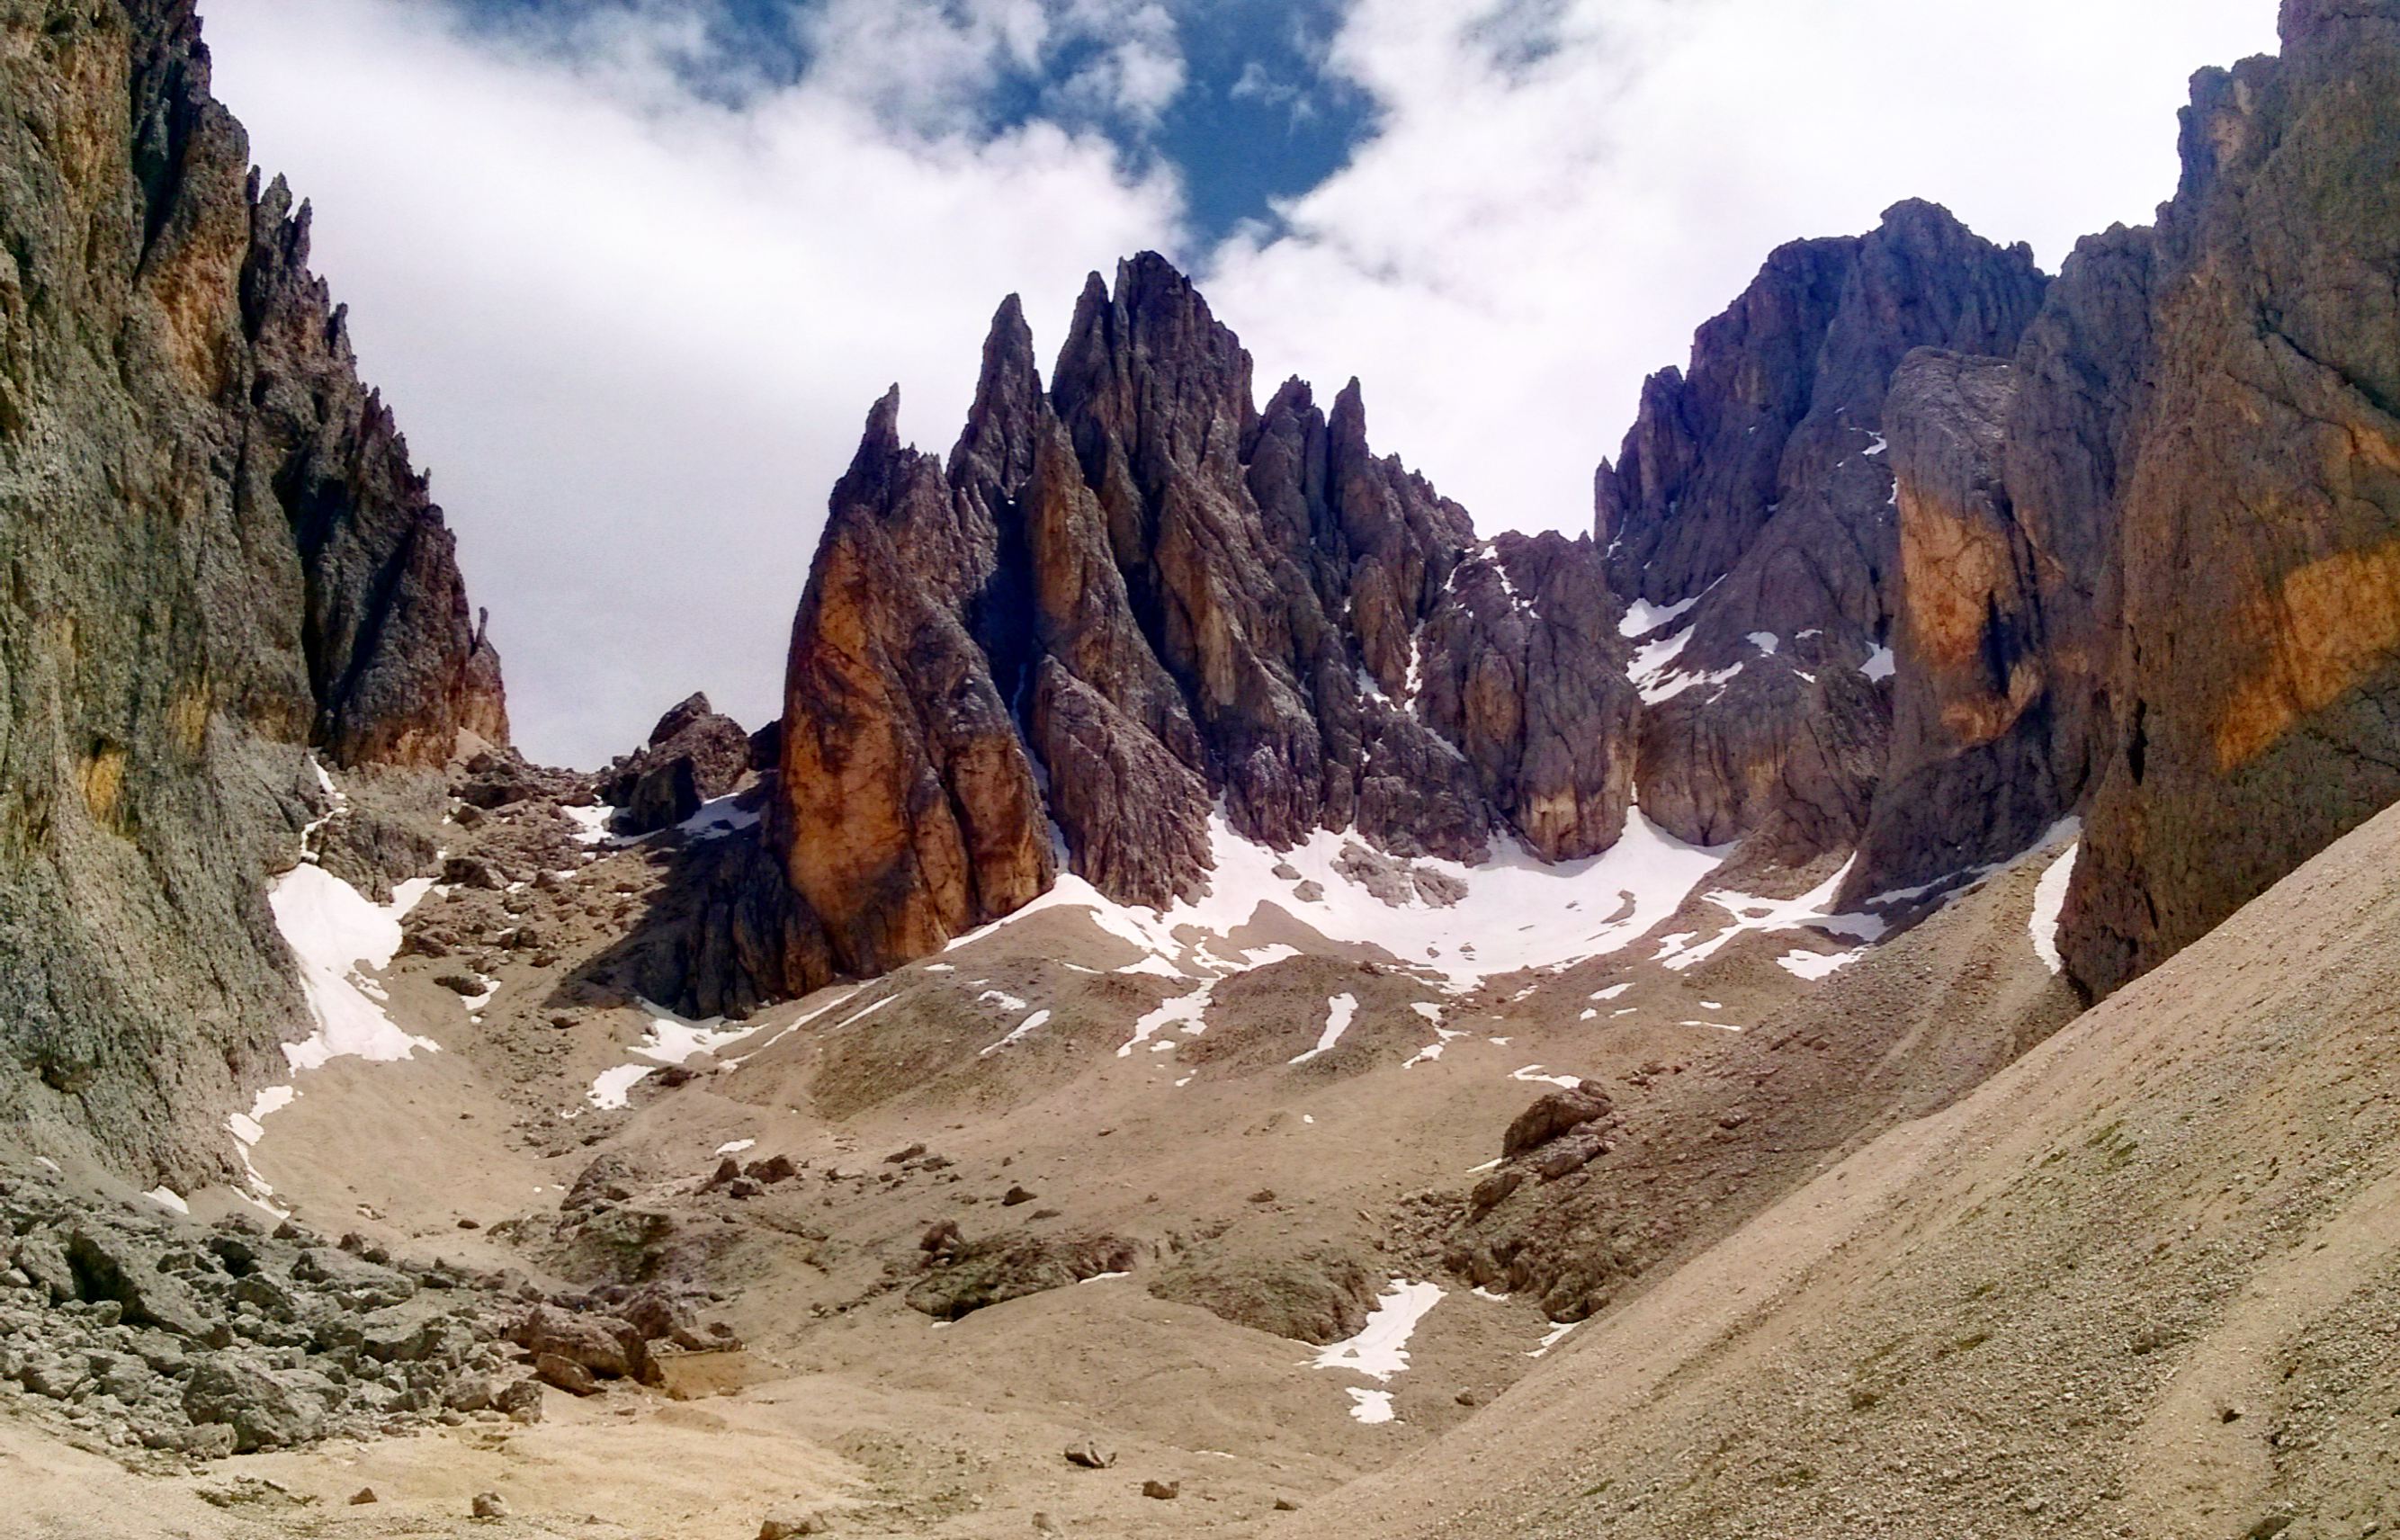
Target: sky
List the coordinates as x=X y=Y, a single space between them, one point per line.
x=631 y=272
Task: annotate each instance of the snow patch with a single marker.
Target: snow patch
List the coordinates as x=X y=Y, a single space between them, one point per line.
x=674 y=1040
x=611 y=1087
x=736 y=1146
x=337 y=935
x=1381 y=1348
x=1371 y=1407
x=591 y=824
x=1030 y=1024
x=1552 y=1338
x=1764 y=641
x=1880 y=665
x=861 y=1015
x=1532 y=1074
x=839 y=1000
x=1810 y=911
x=1190 y=1010
x=718 y=818
x=1813 y=966
x=1659 y=688
x=1339 y=1012
x=1641 y=616
x=1518 y=911
x=167 y=1197
x=2049 y=901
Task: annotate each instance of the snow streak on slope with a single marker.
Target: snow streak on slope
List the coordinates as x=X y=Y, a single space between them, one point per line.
x=2049 y=900
x=1753 y=913
x=1338 y=1015
x=337 y=935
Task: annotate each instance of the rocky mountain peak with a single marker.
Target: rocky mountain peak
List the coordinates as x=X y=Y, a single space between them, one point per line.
x=1134 y=598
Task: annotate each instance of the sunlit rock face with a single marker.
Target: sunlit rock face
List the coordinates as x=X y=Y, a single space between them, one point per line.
x=1751 y=516
x=1136 y=595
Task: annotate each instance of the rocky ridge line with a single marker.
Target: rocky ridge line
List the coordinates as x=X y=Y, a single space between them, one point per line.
x=1134 y=598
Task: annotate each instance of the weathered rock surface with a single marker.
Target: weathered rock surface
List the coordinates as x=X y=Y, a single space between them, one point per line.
x=218 y=555
x=964 y=1277
x=1316 y=1296
x=2260 y=534
x=694 y=755
x=1754 y=492
x=1554 y=1116
x=2003 y=719
x=1137 y=596
x=1986 y=750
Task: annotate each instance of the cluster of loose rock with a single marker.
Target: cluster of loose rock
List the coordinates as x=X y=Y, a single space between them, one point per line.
x=155 y=1333
x=166 y=1335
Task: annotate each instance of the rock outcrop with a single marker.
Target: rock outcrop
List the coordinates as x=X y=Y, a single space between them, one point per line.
x=1137 y=597
x=2259 y=674
x=694 y=755
x=1755 y=492
x=217 y=556
x=2008 y=620
x=1985 y=753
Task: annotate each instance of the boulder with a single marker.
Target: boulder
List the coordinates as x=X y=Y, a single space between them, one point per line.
x=1009 y=1266
x=694 y=755
x=266 y=1407
x=1553 y=1114
x=111 y=1265
x=606 y=1345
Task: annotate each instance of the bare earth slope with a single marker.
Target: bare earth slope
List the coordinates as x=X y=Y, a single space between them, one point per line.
x=2141 y=1283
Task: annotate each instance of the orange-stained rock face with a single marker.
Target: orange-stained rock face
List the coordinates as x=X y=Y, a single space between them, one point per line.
x=909 y=809
x=2260 y=530
x=1756 y=492
x=2331 y=627
x=1135 y=599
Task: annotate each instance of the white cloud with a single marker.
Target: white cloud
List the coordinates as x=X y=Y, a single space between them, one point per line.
x=633 y=333
x=1561 y=190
